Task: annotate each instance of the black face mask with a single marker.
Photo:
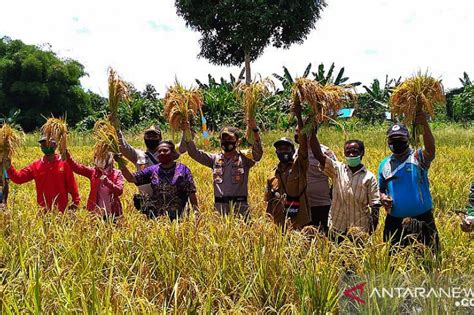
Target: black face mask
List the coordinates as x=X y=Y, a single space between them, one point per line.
x=152 y=144
x=398 y=146
x=228 y=146
x=285 y=157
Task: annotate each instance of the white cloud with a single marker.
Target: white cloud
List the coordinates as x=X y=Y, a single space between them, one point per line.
x=147 y=43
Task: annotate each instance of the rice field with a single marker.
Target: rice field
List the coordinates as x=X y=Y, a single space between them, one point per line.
x=75 y=262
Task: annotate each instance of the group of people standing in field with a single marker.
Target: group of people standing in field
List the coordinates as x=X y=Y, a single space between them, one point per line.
x=308 y=186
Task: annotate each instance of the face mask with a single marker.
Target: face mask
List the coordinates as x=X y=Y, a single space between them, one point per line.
x=398 y=147
x=165 y=158
x=285 y=157
x=47 y=150
x=152 y=144
x=228 y=146
x=353 y=161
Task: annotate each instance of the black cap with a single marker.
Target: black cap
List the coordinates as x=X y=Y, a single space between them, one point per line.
x=231 y=131
x=44 y=138
x=398 y=130
x=283 y=141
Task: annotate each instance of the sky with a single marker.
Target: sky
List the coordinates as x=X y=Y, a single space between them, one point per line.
x=146 y=42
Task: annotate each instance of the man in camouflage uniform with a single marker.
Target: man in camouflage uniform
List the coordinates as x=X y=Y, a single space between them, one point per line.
x=230 y=168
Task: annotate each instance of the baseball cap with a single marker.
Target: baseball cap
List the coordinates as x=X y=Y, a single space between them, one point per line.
x=154 y=129
x=231 y=131
x=398 y=130
x=44 y=138
x=282 y=141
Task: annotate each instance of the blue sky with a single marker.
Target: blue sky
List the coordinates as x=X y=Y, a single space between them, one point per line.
x=147 y=43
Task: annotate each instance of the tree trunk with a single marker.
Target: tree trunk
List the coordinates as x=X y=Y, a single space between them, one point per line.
x=248 y=75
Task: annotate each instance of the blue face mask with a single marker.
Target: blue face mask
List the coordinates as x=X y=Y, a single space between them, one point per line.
x=353 y=161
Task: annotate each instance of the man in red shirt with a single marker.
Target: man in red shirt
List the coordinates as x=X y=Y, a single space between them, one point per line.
x=53 y=178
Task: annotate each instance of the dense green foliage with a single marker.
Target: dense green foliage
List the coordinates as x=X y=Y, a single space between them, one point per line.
x=37 y=82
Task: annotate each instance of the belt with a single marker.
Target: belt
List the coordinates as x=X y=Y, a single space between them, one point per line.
x=230 y=199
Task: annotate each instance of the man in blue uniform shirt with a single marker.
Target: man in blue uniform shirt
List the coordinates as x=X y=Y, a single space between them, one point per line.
x=404 y=188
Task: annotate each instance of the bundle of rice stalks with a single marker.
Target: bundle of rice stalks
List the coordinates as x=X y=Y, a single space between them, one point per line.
x=419 y=93
x=324 y=101
x=251 y=96
x=106 y=139
x=56 y=129
x=181 y=105
x=118 y=91
x=10 y=141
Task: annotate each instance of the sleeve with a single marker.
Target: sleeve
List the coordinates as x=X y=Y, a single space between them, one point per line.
x=330 y=168
x=144 y=177
x=303 y=162
x=268 y=191
x=79 y=168
x=129 y=152
x=71 y=186
x=182 y=146
x=374 y=193
x=199 y=156
x=116 y=186
x=424 y=162
x=257 y=151
x=190 y=185
x=382 y=180
x=22 y=176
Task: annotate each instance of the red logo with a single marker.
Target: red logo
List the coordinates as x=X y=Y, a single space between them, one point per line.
x=350 y=292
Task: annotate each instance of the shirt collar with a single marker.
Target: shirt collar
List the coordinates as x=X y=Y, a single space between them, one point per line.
x=362 y=169
x=394 y=158
x=45 y=160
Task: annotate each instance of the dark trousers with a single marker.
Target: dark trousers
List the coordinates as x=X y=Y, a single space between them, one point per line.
x=406 y=231
x=319 y=218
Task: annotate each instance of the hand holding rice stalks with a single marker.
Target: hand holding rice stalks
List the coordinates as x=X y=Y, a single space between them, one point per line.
x=10 y=141
x=419 y=93
x=106 y=139
x=118 y=91
x=56 y=129
x=324 y=100
x=252 y=95
x=180 y=106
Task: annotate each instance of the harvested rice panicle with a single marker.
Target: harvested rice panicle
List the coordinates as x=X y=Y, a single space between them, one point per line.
x=56 y=129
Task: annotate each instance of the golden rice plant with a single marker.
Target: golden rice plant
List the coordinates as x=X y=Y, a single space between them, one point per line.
x=181 y=105
x=251 y=96
x=106 y=139
x=118 y=91
x=10 y=141
x=419 y=93
x=56 y=129
x=324 y=101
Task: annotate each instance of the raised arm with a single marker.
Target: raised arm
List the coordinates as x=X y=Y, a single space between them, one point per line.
x=303 y=139
x=19 y=177
x=257 y=149
x=125 y=171
x=428 y=139
x=199 y=156
x=78 y=168
x=71 y=186
x=129 y=152
x=316 y=148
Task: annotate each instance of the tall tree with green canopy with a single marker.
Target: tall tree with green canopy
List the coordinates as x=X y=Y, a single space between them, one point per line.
x=234 y=32
x=39 y=83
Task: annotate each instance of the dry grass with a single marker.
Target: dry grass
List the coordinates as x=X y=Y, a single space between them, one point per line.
x=56 y=129
x=419 y=93
x=10 y=142
x=76 y=263
x=324 y=101
x=106 y=139
x=181 y=105
x=118 y=91
x=251 y=96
